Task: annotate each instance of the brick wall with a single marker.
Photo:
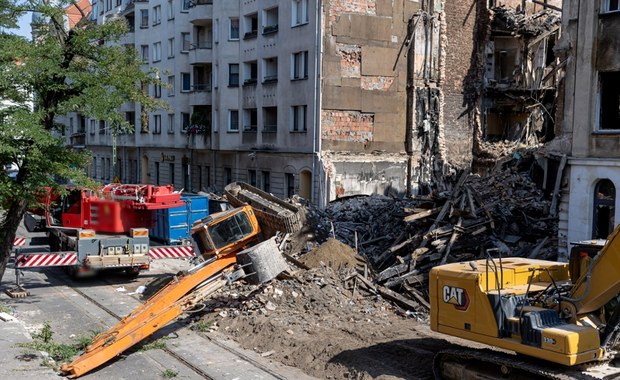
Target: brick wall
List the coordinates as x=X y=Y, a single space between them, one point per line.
x=462 y=76
x=347 y=126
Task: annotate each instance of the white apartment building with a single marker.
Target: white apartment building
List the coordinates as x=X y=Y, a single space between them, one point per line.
x=242 y=93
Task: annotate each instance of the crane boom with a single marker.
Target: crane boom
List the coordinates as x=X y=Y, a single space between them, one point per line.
x=162 y=308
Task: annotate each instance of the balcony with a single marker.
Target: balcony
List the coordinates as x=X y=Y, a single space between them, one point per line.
x=78 y=140
x=200 y=95
x=201 y=12
x=201 y=53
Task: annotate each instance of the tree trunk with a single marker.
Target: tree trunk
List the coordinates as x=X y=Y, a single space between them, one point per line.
x=8 y=229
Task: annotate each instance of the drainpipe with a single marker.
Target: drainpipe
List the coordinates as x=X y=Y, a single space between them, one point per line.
x=316 y=140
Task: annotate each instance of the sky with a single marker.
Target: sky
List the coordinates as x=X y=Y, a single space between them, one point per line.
x=24 y=25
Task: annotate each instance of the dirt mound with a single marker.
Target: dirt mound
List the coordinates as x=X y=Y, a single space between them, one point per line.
x=332 y=253
x=321 y=322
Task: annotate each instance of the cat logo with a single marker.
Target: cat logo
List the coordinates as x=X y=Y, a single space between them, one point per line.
x=456 y=296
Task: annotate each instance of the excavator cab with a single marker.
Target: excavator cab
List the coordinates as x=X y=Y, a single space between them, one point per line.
x=226 y=231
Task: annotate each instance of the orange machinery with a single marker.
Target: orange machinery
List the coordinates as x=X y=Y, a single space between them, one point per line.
x=219 y=237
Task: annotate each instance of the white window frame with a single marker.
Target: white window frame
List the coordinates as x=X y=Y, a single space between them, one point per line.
x=170 y=123
x=144 y=18
x=156 y=15
x=170 y=9
x=186 y=44
x=296 y=18
x=144 y=53
x=183 y=88
x=171 y=47
x=156 y=124
x=93 y=126
x=299 y=118
x=171 y=85
x=605 y=8
x=157 y=90
x=230 y=28
x=157 y=52
x=299 y=65
x=185 y=5
x=230 y=120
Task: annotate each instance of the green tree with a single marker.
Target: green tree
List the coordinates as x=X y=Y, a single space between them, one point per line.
x=60 y=71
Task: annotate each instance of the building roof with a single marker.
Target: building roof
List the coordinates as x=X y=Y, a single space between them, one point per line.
x=73 y=12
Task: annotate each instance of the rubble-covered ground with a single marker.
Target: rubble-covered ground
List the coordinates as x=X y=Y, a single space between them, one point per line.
x=366 y=316
x=324 y=324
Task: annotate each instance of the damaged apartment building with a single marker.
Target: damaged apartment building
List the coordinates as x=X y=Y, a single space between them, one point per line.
x=325 y=98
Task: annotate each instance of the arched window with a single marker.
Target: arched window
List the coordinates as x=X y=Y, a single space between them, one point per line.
x=603 y=222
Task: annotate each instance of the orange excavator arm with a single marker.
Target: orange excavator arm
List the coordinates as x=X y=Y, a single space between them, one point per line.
x=182 y=293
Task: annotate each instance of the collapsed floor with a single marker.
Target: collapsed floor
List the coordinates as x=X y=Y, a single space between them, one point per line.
x=340 y=314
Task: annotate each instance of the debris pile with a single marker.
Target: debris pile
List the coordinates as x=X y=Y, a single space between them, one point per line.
x=500 y=214
x=318 y=320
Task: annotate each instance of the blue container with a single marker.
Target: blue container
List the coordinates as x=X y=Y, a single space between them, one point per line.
x=174 y=224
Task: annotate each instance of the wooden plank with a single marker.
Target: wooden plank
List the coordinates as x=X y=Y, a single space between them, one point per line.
x=451 y=242
x=422 y=215
x=398 y=298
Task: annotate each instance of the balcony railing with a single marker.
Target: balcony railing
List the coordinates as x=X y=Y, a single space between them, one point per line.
x=270 y=79
x=250 y=82
x=194 y=3
x=268 y=29
x=202 y=45
x=206 y=87
x=251 y=34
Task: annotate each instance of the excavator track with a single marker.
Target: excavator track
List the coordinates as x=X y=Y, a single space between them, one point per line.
x=470 y=364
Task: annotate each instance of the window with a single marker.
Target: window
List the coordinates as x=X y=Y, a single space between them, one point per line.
x=266 y=181
x=290 y=184
x=108 y=5
x=184 y=121
x=233 y=120
x=103 y=168
x=270 y=70
x=144 y=52
x=186 y=84
x=94 y=168
x=170 y=123
x=144 y=18
x=170 y=9
x=300 y=65
x=170 y=85
x=233 y=33
x=251 y=26
x=208 y=175
x=130 y=117
x=227 y=175
x=250 y=70
x=157 y=90
x=109 y=168
x=252 y=177
x=233 y=75
x=186 y=41
x=611 y=6
x=157 y=179
x=156 y=15
x=270 y=20
x=157 y=51
x=93 y=126
x=171 y=172
x=610 y=100
x=604 y=209
x=300 y=12
x=185 y=5
x=199 y=182
x=171 y=47
x=157 y=122
x=71 y=126
x=119 y=3
x=298 y=118
x=250 y=119
x=270 y=119
x=101 y=127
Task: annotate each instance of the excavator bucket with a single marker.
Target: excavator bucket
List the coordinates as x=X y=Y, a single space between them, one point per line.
x=260 y=263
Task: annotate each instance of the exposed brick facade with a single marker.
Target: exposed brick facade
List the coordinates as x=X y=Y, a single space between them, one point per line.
x=347 y=126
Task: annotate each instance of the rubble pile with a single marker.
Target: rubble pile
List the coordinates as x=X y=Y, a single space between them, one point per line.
x=319 y=320
x=509 y=20
x=503 y=213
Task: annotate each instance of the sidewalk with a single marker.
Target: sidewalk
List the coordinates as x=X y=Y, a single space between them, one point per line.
x=15 y=361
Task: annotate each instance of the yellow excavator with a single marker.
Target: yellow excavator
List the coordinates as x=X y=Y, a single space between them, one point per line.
x=221 y=238
x=556 y=320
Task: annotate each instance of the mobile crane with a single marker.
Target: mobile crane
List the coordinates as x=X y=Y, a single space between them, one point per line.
x=556 y=316
x=221 y=238
x=91 y=230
